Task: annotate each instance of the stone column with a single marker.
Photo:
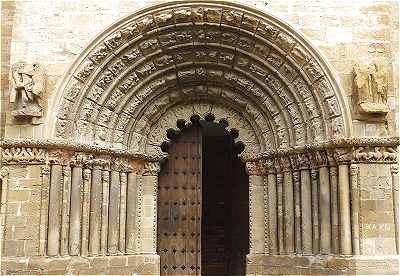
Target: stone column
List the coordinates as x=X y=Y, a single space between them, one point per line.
x=394 y=169
x=87 y=179
x=53 y=235
x=44 y=215
x=288 y=206
x=95 y=207
x=148 y=223
x=355 y=208
x=131 y=208
x=334 y=205
x=113 y=215
x=105 y=178
x=76 y=205
x=66 y=197
x=297 y=211
x=256 y=206
x=122 y=212
x=306 y=206
x=324 y=203
x=4 y=174
x=279 y=183
x=272 y=211
x=344 y=210
x=315 y=210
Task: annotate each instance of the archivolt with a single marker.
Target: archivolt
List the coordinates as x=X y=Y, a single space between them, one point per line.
x=148 y=69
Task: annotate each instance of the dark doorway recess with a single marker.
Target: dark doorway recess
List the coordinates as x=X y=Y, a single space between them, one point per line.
x=203 y=207
x=225 y=212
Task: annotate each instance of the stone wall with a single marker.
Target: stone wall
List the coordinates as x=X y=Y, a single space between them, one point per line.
x=346 y=32
x=54 y=33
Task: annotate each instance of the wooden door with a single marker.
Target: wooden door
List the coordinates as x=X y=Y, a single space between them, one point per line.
x=179 y=206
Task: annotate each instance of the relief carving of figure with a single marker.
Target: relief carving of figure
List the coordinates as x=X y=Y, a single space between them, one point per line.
x=28 y=86
x=371 y=86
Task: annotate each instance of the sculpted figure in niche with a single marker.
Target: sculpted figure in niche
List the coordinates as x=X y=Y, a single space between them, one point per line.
x=28 y=85
x=371 y=89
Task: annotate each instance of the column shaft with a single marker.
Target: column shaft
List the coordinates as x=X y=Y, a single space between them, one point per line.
x=113 y=216
x=256 y=214
x=66 y=197
x=95 y=212
x=315 y=211
x=334 y=209
x=87 y=179
x=395 y=194
x=344 y=209
x=131 y=213
x=306 y=213
x=104 y=210
x=122 y=212
x=288 y=212
x=279 y=179
x=325 y=214
x=355 y=207
x=273 y=225
x=75 y=215
x=53 y=238
x=297 y=212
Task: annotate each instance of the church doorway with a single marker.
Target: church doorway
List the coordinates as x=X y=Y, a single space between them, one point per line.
x=203 y=215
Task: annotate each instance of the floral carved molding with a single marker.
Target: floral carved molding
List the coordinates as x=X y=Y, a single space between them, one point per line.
x=182 y=58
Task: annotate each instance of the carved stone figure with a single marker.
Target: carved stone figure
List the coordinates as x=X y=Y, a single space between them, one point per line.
x=28 y=86
x=370 y=85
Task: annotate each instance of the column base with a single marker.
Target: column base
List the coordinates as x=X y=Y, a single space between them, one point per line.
x=260 y=264
x=146 y=264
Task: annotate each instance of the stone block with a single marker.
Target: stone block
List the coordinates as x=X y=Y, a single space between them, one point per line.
x=118 y=261
x=18 y=195
x=14 y=248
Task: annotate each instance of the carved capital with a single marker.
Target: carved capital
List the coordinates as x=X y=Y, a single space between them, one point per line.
x=44 y=170
x=101 y=163
x=342 y=155
x=256 y=167
x=394 y=169
x=151 y=168
x=58 y=157
x=121 y=165
x=354 y=170
x=372 y=154
x=4 y=172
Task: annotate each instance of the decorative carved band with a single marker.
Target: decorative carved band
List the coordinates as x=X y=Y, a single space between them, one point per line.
x=355 y=150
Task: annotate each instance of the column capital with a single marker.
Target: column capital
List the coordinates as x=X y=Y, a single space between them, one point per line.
x=394 y=169
x=300 y=161
x=151 y=168
x=258 y=167
x=354 y=169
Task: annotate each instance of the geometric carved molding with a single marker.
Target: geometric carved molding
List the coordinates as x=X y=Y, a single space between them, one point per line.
x=176 y=59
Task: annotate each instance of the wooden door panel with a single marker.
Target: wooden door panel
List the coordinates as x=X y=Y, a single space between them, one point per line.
x=179 y=202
